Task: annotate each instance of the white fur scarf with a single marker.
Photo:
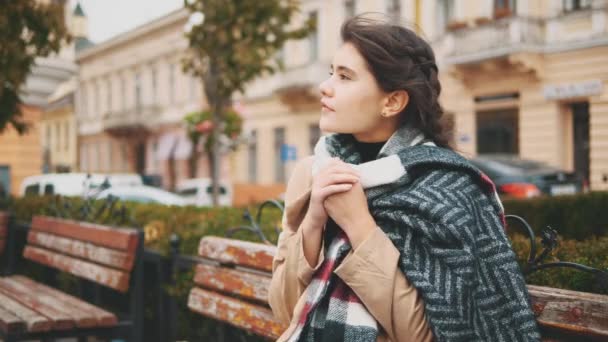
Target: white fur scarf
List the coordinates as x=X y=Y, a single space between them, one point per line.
x=373 y=173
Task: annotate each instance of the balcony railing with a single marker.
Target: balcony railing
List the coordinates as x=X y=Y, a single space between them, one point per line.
x=505 y=36
x=292 y=78
x=141 y=118
x=494 y=39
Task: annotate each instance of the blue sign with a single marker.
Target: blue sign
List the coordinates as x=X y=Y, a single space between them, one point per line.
x=288 y=153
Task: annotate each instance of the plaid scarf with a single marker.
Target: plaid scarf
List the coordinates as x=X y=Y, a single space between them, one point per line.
x=445 y=218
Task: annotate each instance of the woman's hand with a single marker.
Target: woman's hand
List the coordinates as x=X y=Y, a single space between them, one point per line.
x=336 y=177
x=350 y=211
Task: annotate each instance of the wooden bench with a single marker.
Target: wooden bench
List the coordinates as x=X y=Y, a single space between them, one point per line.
x=232 y=286
x=101 y=255
x=3 y=231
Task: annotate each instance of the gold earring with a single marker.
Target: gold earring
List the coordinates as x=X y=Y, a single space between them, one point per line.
x=384 y=114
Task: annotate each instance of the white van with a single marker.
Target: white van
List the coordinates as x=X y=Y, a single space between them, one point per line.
x=198 y=191
x=73 y=184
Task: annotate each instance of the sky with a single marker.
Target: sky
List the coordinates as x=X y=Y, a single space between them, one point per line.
x=107 y=18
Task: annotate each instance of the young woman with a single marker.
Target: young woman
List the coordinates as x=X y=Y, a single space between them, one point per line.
x=388 y=234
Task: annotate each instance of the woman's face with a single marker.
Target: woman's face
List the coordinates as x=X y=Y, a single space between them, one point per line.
x=351 y=100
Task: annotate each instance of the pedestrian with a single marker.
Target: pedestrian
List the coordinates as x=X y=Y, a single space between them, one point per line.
x=388 y=234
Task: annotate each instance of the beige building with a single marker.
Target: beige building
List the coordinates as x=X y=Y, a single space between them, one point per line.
x=524 y=77
x=132 y=97
x=58 y=130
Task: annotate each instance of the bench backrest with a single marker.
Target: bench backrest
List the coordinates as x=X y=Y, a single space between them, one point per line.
x=3 y=230
x=101 y=254
x=245 y=268
x=233 y=287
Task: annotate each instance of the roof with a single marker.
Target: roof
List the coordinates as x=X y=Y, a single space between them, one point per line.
x=178 y=15
x=83 y=43
x=78 y=12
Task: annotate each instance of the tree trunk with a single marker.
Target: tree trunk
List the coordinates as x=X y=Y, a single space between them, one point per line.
x=216 y=154
x=216 y=102
x=193 y=162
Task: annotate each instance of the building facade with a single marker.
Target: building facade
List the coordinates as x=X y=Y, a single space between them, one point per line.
x=24 y=155
x=58 y=130
x=131 y=100
x=528 y=78
x=520 y=77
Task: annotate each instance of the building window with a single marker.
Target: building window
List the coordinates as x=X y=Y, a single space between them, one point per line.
x=350 y=7
x=56 y=137
x=109 y=157
x=154 y=84
x=97 y=100
x=48 y=135
x=82 y=106
x=94 y=157
x=314 y=134
x=279 y=166
x=66 y=137
x=504 y=8
x=123 y=92
x=125 y=157
x=171 y=83
x=497 y=132
x=313 y=38
x=137 y=90
x=393 y=8
x=252 y=157
x=84 y=157
x=109 y=95
x=575 y=5
x=446 y=14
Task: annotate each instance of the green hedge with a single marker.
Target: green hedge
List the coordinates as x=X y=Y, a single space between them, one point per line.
x=159 y=221
x=573 y=217
x=591 y=252
x=581 y=221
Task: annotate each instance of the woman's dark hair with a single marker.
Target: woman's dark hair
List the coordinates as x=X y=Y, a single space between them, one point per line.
x=401 y=60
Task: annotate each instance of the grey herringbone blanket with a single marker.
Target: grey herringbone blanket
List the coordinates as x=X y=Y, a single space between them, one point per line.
x=445 y=219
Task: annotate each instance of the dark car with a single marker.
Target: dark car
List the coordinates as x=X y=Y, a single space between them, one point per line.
x=523 y=178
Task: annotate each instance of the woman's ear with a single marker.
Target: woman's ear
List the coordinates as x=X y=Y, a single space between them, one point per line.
x=395 y=103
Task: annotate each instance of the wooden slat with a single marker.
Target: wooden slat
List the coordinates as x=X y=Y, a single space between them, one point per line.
x=103 y=317
x=84 y=250
x=253 y=318
x=3 y=230
x=3 y=224
x=242 y=253
x=124 y=239
x=9 y=323
x=583 y=314
x=49 y=306
x=115 y=279
x=60 y=320
x=34 y=321
x=3 y=218
x=245 y=284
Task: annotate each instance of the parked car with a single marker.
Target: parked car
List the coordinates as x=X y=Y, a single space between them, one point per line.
x=143 y=194
x=197 y=191
x=524 y=178
x=74 y=184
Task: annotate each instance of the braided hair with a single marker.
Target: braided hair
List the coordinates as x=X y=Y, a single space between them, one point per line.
x=399 y=59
